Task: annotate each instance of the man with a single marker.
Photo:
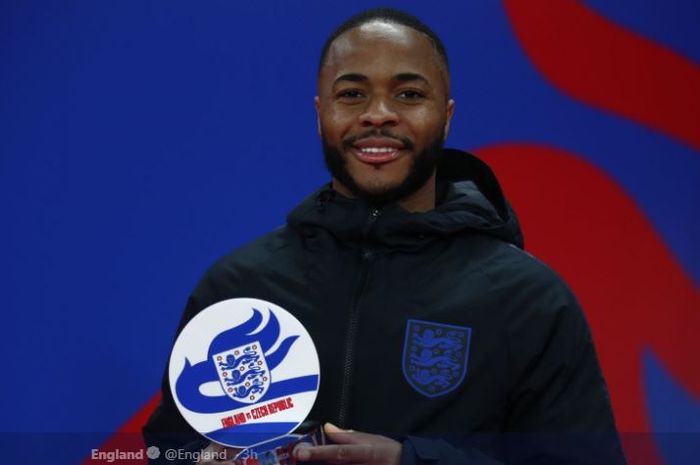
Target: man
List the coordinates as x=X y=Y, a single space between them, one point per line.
x=430 y=321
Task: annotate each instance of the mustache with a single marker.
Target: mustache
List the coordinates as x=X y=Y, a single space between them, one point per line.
x=385 y=133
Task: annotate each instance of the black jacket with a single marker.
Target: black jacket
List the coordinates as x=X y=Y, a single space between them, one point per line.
x=355 y=275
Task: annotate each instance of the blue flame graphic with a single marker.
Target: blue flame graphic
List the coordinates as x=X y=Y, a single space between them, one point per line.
x=193 y=376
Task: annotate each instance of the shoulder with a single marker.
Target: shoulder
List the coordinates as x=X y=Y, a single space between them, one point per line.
x=236 y=272
x=510 y=267
x=254 y=254
x=540 y=306
x=539 y=312
x=523 y=286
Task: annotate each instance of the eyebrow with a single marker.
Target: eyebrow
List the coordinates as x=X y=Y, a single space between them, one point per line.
x=405 y=77
x=401 y=77
x=352 y=77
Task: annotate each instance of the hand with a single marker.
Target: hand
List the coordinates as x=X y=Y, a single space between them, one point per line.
x=352 y=447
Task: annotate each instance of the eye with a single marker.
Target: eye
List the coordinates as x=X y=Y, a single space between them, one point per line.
x=350 y=94
x=411 y=94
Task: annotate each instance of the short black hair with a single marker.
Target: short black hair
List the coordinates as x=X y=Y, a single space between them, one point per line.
x=388 y=15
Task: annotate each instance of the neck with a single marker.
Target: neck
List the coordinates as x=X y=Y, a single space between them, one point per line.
x=422 y=200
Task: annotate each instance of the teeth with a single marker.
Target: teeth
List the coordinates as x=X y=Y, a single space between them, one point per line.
x=378 y=149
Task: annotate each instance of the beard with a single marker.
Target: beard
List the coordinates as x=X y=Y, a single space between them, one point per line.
x=422 y=168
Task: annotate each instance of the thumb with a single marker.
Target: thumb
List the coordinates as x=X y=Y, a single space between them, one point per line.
x=338 y=435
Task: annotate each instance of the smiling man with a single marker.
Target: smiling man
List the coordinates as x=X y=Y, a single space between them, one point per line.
x=431 y=322
x=384 y=112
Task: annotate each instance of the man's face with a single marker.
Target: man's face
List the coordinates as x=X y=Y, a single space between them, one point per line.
x=383 y=110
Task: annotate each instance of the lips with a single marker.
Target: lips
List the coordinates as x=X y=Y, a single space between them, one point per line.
x=377 y=150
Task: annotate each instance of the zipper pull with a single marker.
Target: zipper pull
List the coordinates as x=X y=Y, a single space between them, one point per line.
x=373 y=215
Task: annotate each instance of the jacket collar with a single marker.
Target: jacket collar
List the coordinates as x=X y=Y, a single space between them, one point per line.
x=469 y=200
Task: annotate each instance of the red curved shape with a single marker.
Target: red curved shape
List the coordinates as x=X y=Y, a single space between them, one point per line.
x=128 y=438
x=634 y=292
x=601 y=64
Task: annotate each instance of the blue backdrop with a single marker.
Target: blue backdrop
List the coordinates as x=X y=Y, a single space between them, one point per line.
x=141 y=140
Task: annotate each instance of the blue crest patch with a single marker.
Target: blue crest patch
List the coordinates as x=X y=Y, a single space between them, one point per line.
x=435 y=356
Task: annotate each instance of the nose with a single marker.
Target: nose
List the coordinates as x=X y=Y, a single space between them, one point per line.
x=379 y=112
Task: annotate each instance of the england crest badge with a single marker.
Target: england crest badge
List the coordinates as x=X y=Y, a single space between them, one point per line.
x=244 y=372
x=435 y=356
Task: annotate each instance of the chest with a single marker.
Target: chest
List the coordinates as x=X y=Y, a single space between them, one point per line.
x=406 y=343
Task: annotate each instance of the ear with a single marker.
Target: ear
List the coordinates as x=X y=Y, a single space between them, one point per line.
x=317 y=105
x=450 y=112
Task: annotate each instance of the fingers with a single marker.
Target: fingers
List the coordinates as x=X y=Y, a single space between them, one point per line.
x=331 y=428
x=352 y=447
x=343 y=436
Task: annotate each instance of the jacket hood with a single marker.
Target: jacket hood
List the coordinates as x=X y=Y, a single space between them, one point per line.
x=469 y=200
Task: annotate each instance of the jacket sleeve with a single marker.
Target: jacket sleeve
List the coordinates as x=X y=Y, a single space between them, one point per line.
x=558 y=405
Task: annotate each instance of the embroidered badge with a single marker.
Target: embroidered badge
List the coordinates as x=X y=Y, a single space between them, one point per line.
x=435 y=356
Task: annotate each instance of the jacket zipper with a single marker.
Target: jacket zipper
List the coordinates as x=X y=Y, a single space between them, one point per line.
x=351 y=333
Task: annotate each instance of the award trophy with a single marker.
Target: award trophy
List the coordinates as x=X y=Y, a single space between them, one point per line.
x=244 y=373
